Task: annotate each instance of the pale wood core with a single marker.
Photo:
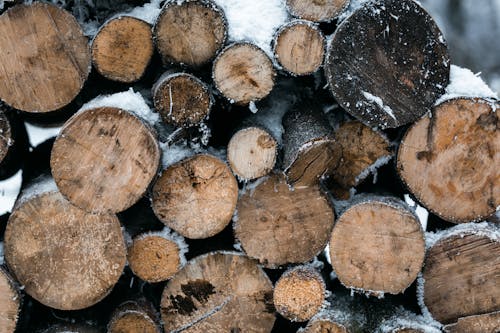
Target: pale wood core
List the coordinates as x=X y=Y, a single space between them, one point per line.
x=316 y=10
x=10 y=302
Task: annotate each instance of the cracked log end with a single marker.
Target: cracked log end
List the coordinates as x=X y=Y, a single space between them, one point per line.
x=316 y=10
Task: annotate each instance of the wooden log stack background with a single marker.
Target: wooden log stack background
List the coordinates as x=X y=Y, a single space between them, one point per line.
x=244 y=166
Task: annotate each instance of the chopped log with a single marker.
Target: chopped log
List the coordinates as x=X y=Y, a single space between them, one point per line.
x=14 y=143
x=377 y=246
x=243 y=73
x=316 y=10
x=196 y=197
x=190 y=32
x=134 y=316
x=219 y=292
x=450 y=161
x=279 y=226
x=66 y=258
x=182 y=99
x=127 y=163
x=309 y=149
x=10 y=303
x=299 y=293
x=44 y=55
x=299 y=47
x=252 y=152
x=486 y=323
x=462 y=274
x=122 y=49
x=387 y=63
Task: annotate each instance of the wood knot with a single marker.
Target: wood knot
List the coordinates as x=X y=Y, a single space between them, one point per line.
x=488 y=121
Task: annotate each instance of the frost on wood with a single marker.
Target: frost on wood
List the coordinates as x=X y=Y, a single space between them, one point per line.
x=405 y=320
x=40 y=185
x=176 y=152
x=484 y=229
x=171 y=235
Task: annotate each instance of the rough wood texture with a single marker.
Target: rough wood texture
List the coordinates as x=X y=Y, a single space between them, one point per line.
x=299 y=293
x=487 y=323
x=252 y=152
x=190 y=32
x=66 y=258
x=6 y=139
x=219 y=292
x=387 y=63
x=182 y=99
x=44 y=55
x=14 y=143
x=278 y=226
x=316 y=10
x=196 y=197
x=10 y=302
x=299 y=47
x=450 y=161
x=122 y=49
x=72 y=328
x=134 y=317
x=99 y=165
x=243 y=73
x=324 y=325
x=377 y=245
x=461 y=275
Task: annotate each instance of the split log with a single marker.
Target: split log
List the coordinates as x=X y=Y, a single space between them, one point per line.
x=387 y=63
x=279 y=226
x=41 y=46
x=462 y=274
x=182 y=99
x=190 y=32
x=299 y=293
x=134 y=316
x=66 y=258
x=377 y=246
x=486 y=323
x=299 y=47
x=10 y=303
x=243 y=73
x=13 y=143
x=316 y=10
x=196 y=197
x=450 y=161
x=252 y=152
x=219 y=292
x=122 y=49
x=127 y=163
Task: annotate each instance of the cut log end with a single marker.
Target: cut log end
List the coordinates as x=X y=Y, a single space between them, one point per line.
x=486 y=323
x=299 y=47
x=6 y=140
x=243 y=73
x=127 y=163
x=122 y=49
x=299 y=293
x=132 y=317
x=57 y=57
x=251 y=153
x=190 y=32
x=196 y=197
x=324 y=326
x=316 y=10
x=10 y=302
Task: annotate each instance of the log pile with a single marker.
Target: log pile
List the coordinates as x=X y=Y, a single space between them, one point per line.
x=244 y=166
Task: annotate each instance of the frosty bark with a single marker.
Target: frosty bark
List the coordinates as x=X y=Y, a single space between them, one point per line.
x=182 y=99
x=73 y=328
x=486 y=323
x=450 y=161
x=10 y=303
x=316 y=10
x=278 y=225
x=377 y=246
x=387 y=63
x=127 y=163
x=134 y=316
x=243 y=73
x=190 y=32
x=122 y=49
x=219 y=292
x=299 y=47
x=401 y=321
x=52 y=57
x=13 y=143
x=196 y=197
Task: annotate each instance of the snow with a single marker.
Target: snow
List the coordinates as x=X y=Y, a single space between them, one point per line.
x=420 y=299
x=147 y=12
x=353 y=6
x=377 y=100
x=483 y=229
x=1 y=253
x=173 y=153
x=37 y=134
x=406 y=319
x=253 y=107
x=254 y=21
x=39 y=186
x=171 y=235
x=421 y=212
x=9 y=190
x=372 y=169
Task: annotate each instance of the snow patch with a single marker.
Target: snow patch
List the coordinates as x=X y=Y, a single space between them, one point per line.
x=147 y=12
x=483 y=229
x=40 y=185
x=1 y=250
x=174 y=153
x=377 y=100
x=421 y=212
x=9 y=190
x=372 y=169
x=405 y=319
x=37 y=134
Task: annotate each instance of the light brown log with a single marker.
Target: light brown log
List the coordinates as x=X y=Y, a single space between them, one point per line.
x=243 y=73
x=299 y=47
x=278 y=225
x=450 y=161
x=299 y=293
x=252 y=152
x=65 y=257
x=133 y=317
x=316 y=10
x=44 y=55
x=10 y=303
x=190 y=32
x=182 y=99
x=486 y=323
x=196 y=197
x=104 y=159
x=122 y=49
x=219 y=292
x=377 y=246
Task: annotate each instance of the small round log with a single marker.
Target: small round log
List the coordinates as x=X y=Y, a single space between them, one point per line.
x=134 y=316
x=316 y=10
x=10 y=303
